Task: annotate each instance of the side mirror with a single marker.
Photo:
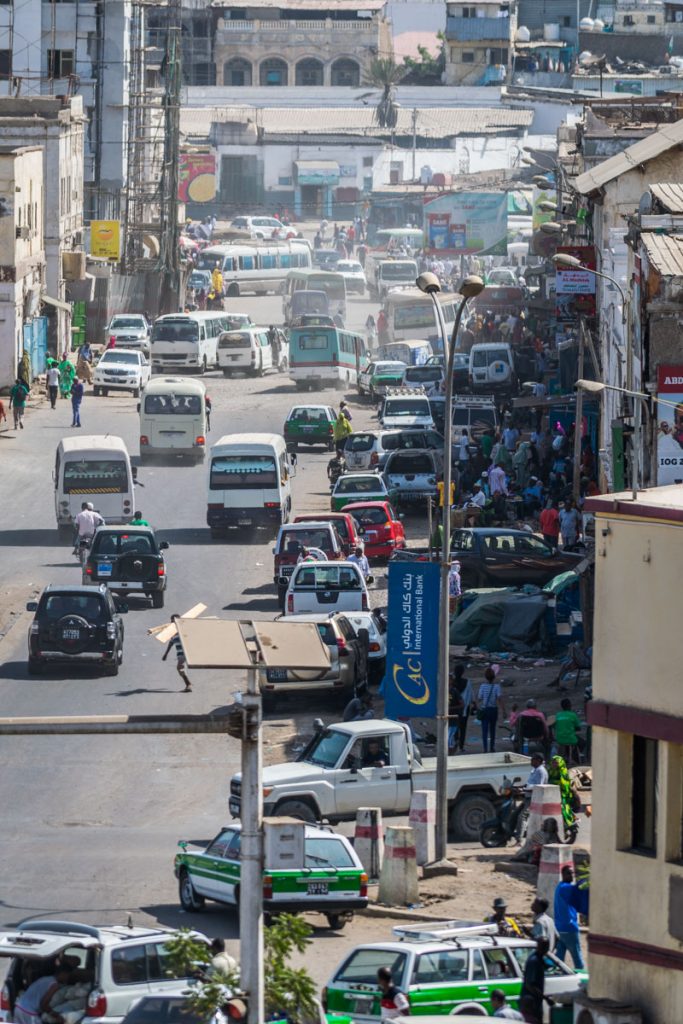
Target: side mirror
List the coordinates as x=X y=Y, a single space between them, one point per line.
x=318 y=725
x=134 y=471
x=353 y=769
x=32 y=606
x=369 y=579
x=283 y=581
x=137 y=407
x=121 y=606
x=163 y=546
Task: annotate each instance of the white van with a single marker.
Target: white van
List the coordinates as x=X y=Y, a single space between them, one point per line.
x=492 y=367
x=404 y=408
x=246 y=350
x=173 y=418
x=250 y=483
x=93 y=468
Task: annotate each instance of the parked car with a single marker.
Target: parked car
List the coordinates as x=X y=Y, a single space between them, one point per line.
x=461 y=369
x=75 y=625
x=453 y=966
x=332 y=880
x=496 y=557
x=370 y=449
x=326 y=259
x=344 y=524
x=380 y=375
x=128 y=560
x=358 y=487
x=429 y=377
x=353 y=274
x=376 y=624
x=380 y=527
x=292 y=538
x=130 y=330
x=492 y=368
x=411 y=476
x=121 y=369
x=259 y=226
x=326 y=587
x=406 y=407
x=347 y=663
x=116 y=963
x=309 y=425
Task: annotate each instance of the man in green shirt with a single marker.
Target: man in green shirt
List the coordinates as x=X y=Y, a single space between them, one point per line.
x=17 y=402
x=137 y=520
x=567 y=727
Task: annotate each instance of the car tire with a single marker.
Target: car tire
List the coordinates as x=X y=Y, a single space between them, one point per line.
x=136 y=392
x=113 y=669
x=337 y=921
x=35 y=667
x=493 y=836
x=226 y=372
x=190 y=900
x=296 y=809
x=158 y=599
x=96 y=392
x=233 y=291
x=468 y=815
x=105 y=392
x=281 y=597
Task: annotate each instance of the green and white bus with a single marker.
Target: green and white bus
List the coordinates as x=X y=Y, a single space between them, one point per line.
x=322 y=357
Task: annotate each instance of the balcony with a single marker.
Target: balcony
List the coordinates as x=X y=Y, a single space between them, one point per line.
x=282 y=25
x=477 y=29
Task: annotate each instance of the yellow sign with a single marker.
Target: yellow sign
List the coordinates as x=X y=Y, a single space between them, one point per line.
x=105 y=239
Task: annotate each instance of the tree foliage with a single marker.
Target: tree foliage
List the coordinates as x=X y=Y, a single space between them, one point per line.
x=385 y=74
x=425 y=69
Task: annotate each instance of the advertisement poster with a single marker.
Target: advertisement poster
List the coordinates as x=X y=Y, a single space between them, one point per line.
x=105 y=239
x=196 y=177
x=670 y=425
x=467 y=223
x=575 y=288
x=410 y=683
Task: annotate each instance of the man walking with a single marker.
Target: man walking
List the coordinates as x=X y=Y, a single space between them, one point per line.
x=501 y=1008
x=533 y=986
x=569 y=899
x=17 y=402
x=77 y=392
x=52 y=381
x=543 y=926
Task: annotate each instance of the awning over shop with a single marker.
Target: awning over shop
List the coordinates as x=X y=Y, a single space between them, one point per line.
x=317 y=172
x=57 y=303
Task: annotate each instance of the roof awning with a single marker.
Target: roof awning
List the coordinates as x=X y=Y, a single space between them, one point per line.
x=317 y=172
x=57 y=303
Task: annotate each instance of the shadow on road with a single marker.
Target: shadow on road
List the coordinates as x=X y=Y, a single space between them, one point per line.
x=265 y=588
x=19 y=670
x=142 y=689
x=29 y=539
x=215 y=920
x=258 y=604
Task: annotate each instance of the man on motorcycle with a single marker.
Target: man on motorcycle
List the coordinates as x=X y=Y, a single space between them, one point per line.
x=85 y=524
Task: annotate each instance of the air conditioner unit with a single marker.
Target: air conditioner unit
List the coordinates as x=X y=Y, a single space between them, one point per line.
x=24 y=233
x=604 y=1011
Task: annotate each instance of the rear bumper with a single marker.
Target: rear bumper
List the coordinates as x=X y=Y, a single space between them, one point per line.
x=226 y=518
x=322 y=905
x=124 y=587
x=85 y=657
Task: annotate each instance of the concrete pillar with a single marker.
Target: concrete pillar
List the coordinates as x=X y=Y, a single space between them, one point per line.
x=398 y=878
x=422 y=819
x=297 y=201
x=554 y=857
x=545 y=803
x=368 y=842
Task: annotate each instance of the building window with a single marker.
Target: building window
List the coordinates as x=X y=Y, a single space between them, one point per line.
x=467 y=57
x=309 y=72
x=5 y=64
x=273 y=72
x=60 y=63
x=651 y=20
x=566 y=21
x=368 y=161
x=237 y=72
x=644 y=793
x=469 y=12
x=628 y=20
x=346 y=72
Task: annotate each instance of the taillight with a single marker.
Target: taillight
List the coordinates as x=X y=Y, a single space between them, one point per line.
x=215 y=505
x=374 y=458
x=161 y=569
x=341 y=647
x=111 y=630
x=143 y=440
x=363 y=888
x=97 y=1004
x=290 y=603
x=271 y=504
x=88 y=570
x=374 y=647
x=267 y=887
x=330 y=429
x=364 y=602
x=4 y=999
x=112 y=337
x=200 y=440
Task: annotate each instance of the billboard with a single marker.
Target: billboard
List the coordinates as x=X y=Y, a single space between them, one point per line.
x=575 y=288
x=670 y=425
x=105 y=239
x=196 y=177
x=410 y=682
x=467 y=223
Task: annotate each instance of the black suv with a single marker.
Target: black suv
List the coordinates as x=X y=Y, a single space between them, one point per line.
x=76 y=625
x=129 y=560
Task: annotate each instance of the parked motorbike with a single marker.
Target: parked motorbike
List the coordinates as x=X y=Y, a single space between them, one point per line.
x=510 y=819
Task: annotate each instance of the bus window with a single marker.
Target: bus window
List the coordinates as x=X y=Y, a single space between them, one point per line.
x=311 y=340
x=285 y=259
x=101 y=476
x=268 y=262
x=246 y=262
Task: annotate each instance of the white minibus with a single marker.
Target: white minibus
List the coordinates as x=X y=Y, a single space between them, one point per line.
x=173 y=418
x=328 y=281
x=247 y=351
x=250 y=483
x=258 y=267
x=410 y=314
x=93 y=468
x=187 y=341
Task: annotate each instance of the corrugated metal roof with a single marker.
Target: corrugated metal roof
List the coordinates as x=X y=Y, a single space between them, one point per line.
x=665 y=252
x=311 y=5
x=639 y=153
x=432 y=122
x=669 y=196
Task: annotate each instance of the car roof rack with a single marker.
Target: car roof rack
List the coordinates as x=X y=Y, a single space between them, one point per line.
x=403 y=391
x=445 y=930
x=474 y=400
x=36 y=924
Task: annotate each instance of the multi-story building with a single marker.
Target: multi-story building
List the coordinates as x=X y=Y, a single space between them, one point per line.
x=57 y=125
x=22 y=259
x=644 y=17
x=478 y=40
x=300 y=42
x=635 y=941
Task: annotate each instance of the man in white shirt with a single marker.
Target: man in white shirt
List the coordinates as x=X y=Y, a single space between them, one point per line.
x=52 y=381
x=361 y=561
x=478 y=497
x=538 y=776
x=85 y=524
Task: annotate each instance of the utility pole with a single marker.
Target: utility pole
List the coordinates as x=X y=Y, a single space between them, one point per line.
x=576 y=479
x=414 y=140
x=251 y=854
x=169 y=229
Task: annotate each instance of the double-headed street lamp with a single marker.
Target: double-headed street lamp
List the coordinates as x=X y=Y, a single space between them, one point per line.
x=469 y=287
x=596 y=387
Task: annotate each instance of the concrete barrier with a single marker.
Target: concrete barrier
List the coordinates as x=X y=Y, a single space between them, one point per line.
x=368 y=842
x=422 y=818
x=545 y=803
x=398 y=878
x=554 y=857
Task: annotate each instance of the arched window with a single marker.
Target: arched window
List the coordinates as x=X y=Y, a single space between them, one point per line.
x=237 y=72
x=345 y=72
x=273 y=72
x=309 y=72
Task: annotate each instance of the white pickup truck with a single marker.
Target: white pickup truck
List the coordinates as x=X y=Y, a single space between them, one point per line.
x=375 y=764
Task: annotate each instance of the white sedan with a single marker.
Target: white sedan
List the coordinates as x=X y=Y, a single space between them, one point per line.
x=353 y=274
x=121 y=369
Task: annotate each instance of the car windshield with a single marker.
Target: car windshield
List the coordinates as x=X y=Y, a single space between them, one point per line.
x=399 y=271
x=175 y=330
x=409 y=316
x=292 y=541
x=327 y=576
x=95 y=476
x=235 y=339
x=362 y=966
x=173 y=405
x=486 y=356
x=242 y=472
x=327 y=853
x=359 y=442
x=124 y=543
x=406 y=407
x=358 y=485
x=162 y=1010
x=406 y=462
x=112 y=356
x=127 y=321
x=421 y=374
x=327 y=748
x=370 y=516
x=305 y=415
x=87 y=606
x=394 y=368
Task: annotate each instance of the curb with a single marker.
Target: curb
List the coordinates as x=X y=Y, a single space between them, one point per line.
x=398 y=913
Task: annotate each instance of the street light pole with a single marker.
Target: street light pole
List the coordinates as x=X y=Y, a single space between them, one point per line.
x=471 y=286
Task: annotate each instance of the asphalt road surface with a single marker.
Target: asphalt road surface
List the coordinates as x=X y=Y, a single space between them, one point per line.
x=91 y=823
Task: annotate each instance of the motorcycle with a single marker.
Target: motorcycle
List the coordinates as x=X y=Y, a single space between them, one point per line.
x=511 y=815
x=83 y=549
x=336 y=467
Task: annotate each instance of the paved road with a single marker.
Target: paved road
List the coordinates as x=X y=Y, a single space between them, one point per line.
x=90 y=824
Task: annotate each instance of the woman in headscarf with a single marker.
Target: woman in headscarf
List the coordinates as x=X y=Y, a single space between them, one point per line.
x=25 y=370
x=559 y=776
x=83 y=366
x=520 y=464
x=66 y=376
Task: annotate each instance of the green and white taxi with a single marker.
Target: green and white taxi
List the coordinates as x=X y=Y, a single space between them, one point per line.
x=331 y=880
x=446 y=968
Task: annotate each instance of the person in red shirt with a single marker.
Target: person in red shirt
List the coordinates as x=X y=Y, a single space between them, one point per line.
x=550 y=523
x=393 y=1002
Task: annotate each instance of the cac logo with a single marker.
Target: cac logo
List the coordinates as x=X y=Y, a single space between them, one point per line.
x=410 y=682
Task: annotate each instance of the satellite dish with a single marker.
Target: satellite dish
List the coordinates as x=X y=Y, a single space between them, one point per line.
x=645 y=204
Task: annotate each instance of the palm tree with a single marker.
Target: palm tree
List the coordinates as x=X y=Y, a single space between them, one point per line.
x=385 y=74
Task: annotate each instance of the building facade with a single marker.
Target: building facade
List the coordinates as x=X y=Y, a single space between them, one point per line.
x=478 y=40
x=636 y=912
x=22 y=264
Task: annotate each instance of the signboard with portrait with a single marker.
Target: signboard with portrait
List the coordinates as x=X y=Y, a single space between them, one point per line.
x=670 y=425
x=410 y=685
x=467 y=223
x=575 y=288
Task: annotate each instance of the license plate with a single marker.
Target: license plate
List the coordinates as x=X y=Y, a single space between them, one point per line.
x=362 y=1005
x=307 y=430
x=318 y=888
x=104 y=569
x=276 y=675
x=244 y=522
x=233 y=807
x=71 y=634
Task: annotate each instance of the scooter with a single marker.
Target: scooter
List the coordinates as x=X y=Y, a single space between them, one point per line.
x=511 y=815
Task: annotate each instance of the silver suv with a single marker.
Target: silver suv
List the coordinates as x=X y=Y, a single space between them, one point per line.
x=370 y=449
x=129 y=330
x=116 y=965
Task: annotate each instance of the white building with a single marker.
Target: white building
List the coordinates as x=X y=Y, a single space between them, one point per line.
x=22 y=270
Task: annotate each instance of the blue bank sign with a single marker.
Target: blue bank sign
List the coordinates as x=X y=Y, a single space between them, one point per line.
x=410 y=685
